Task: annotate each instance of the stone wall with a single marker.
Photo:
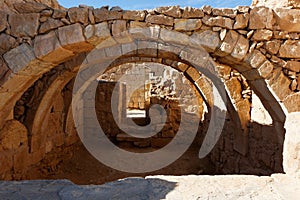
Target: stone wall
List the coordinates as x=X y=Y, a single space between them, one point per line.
x=256 y=49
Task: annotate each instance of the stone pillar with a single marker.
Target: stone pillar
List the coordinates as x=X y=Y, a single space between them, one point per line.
x=277 y=3
x=291 y=146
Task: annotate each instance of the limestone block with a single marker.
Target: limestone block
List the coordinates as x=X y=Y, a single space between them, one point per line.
x=225 y=12
x=48 y=48
x=115 y=14
x=258 y=112
x=24 y=25
x=255 y=59
x=7 y=42
x=292 y=103
x=13 y=135
x=187 y=24
x=241 y=48
x=145 y=33
x=24 y=54
x=262 y=35
x=223 y=22
x=78 y=15
x=292 y=66
x=181 y=66
x=59 y=14
x=266 y=69
x=160 y=19
x=224 y=71
x=134 y=15
x=101 y=14
x=228 y=43
x=261 y=18
x=280 y=85
x=172 y=11
x=193 y=73
x=118 y=26
x=29 y=7
x=291 y=146
x=137 y=24
x=50 y=24
x=97 y=33
x=288 y=19
x=3 y=21
x=174 y=37
x=71 y=37
x=189 y=12
x=272 y=46
x=290 y=49
x=206 y=89
x=234 y=89
x=208 y=39
x=241 y=21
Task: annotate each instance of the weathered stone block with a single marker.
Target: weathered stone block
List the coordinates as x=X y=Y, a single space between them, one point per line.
x=225 y=12
x=78 y=15
x=97 y=33
x=47 y=47
x=292 y=66
x=3 y=21
x=193 y=73
x=266 y=69
x=261 y=18
x=134 y=15
x=234 y=89
x=288 y=19
x=71 y=37
x=255 y=59
x=208 y=39
x=118 y=27
x=160 y=19
x=189 y=12
x=145 y=33
x=101 y=14
x=241 y=48
x=223 y=22
x=59 y=14
x=119 y=31
x=50 y=24
x=172 y=11
x=29 y=7
x=280 y=85
x=228 y=43
x=292 y=103
x=241 y=21
x=24 y=25
x=7 y=42
x=290 y=49
x=24 y=54
x=174 y=37
x=261 y=35
x=272 y=46
x=187 y=24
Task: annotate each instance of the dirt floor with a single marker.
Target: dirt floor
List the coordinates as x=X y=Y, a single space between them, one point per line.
x=82 y=168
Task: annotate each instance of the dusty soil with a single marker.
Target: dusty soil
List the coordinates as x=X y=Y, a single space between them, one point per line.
x=82 y=168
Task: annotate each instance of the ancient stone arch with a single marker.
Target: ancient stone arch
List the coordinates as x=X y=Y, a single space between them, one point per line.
x=49 y=44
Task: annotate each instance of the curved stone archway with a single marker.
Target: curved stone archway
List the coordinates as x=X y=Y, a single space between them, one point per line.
x=254 y=45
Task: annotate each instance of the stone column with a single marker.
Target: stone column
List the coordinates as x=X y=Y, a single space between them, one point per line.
x=291 y=146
